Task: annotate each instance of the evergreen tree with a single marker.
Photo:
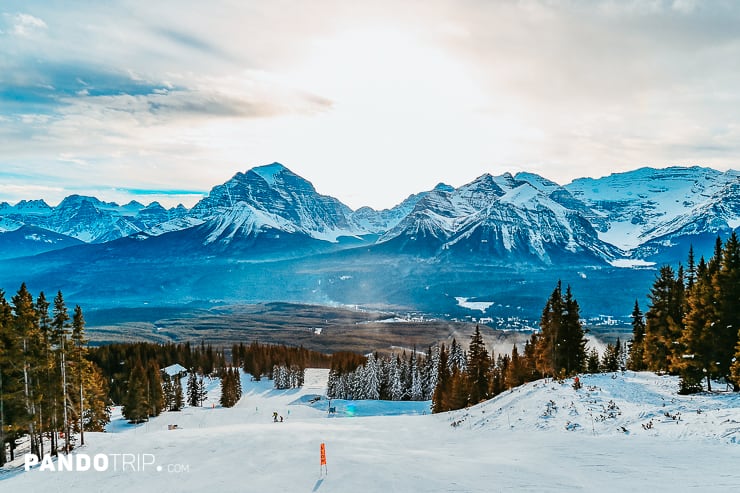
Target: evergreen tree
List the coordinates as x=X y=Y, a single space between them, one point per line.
x=229 y=393
x=79 y=351
x=573 y=341
x=456 y=357
x=726 y=284
x=60 y=324
x=193 y=390
x=201 y=392
x=179 y=401
x=371 y=380
x=136 y=405
x=155 y=394
x=431 y=370
x=12 y=408
x=394 y=377
x=610 y=359
x=441 y=396
x=662 y=321
x=636 y=358
x=97 y=403
x=698 y=358
x=416 y=388
x=516 y=372
x=168 y=391
x=28 y=334
x=561 y=345
x=592 y=361
x=459 y=395
x=478 y=368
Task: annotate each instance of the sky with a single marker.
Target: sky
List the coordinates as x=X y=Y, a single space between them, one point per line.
x=371 y=101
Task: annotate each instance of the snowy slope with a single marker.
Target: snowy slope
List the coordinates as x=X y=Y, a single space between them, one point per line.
x=543 y=436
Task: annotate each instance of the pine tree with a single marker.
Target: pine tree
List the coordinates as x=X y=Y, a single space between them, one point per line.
x=136 y=405
x=610 y=359
x=12 y=408
x=371 y=380
x=394 y=376
x=726 y=284
x=456 y=357
x=478 y=368
x=168 y=390
x=459 y=396
x=26 y=328
x=516 y=372
x=592 y=362
x=698 y=358
x=179 y=401
x=573 y=341
x=201 y=392
x=228 y=390
x=417 y=389
x=155 y=394
x=192 y=390
x=79 y=351
x=662 y=320
x=636 y=358
x=96 y=409
x=60 y=324
x=561 y=345
x=441 y=396
x=431 y=370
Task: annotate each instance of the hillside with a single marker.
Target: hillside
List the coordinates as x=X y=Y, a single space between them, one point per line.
x=511 y=443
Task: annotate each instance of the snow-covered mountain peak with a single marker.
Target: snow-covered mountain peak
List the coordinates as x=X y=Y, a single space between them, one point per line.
x=524 y=196
x=270 y=172
x=32 y=207
x=634 y=205
x=444 y=187
x=539 y=182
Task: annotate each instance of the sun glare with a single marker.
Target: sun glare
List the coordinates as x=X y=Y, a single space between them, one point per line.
x=385 y=68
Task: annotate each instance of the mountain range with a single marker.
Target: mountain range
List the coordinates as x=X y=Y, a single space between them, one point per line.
x=267 y=234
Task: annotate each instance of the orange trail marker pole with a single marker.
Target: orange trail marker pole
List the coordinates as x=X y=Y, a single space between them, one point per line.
x=322 y=467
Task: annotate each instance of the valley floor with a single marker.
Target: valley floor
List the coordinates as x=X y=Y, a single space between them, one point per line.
x=622 y=432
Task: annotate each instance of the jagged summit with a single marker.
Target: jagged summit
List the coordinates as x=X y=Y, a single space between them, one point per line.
x=638 y=213
x=269 y=172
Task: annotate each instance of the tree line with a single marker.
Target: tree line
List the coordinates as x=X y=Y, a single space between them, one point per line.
x=395 y=377
x=692 y=327
x=261 y=359
x=558 y=350
x=117 y=361
x=49 y=387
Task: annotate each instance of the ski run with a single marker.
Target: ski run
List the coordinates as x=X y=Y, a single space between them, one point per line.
x=620 y=432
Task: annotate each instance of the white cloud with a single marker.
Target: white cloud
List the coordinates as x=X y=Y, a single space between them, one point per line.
x=26 y=25
x=372 y=101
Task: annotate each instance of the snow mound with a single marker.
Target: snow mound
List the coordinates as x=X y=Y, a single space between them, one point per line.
x=626 y=403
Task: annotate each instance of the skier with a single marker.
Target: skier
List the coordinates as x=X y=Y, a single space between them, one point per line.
x=281 y=419
x=275 y=416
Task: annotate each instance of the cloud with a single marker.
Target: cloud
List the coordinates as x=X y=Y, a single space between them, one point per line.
x=179 y=94
x=26 y=25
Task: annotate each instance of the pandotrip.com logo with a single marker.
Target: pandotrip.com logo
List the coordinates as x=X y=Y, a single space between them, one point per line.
x=133 y=463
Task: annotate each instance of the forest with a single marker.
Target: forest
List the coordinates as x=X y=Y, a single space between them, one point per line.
x=53 y=387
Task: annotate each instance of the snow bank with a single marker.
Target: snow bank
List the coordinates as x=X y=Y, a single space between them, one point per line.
x=541 y=437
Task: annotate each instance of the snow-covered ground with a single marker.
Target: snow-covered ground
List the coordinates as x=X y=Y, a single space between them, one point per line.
x=620 y=432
